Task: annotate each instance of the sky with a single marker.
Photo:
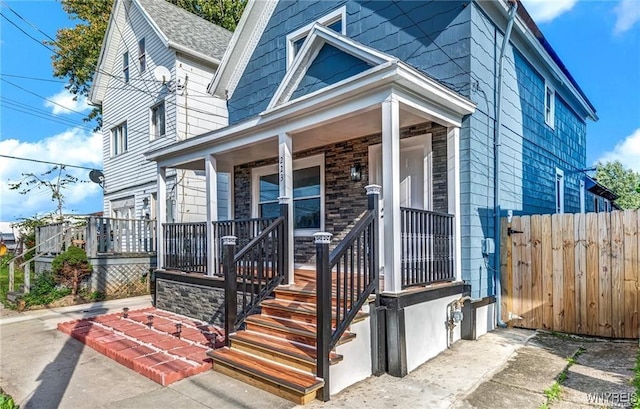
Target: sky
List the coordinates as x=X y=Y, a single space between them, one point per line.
x=599 y=41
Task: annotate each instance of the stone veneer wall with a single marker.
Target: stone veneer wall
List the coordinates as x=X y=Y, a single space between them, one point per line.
x=345 y=200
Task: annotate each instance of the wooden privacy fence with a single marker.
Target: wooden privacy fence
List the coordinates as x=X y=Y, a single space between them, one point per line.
x=574 y=273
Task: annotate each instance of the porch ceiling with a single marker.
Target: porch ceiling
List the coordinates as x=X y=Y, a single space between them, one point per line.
x=351 y=126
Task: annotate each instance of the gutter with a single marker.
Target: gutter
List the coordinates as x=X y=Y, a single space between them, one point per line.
x=496 y=165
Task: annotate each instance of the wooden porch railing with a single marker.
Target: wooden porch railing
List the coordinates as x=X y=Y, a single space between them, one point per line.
x=345 y=279
x=426 y=247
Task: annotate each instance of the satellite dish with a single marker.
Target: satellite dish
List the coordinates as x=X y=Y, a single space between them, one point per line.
x=162 y=73
x=96 y=176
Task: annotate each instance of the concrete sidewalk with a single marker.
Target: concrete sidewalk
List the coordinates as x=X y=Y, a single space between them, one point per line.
x=44 y=368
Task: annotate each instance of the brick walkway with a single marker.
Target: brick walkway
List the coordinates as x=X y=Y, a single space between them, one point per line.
x=147 y=341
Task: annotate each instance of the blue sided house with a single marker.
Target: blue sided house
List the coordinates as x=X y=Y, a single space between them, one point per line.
x=373 y=147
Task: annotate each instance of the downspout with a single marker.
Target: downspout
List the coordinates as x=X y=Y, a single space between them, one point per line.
x=496 y=165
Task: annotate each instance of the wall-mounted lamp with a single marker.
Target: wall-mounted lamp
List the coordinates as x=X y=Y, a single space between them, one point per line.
x=355 y=173
x=145 y=202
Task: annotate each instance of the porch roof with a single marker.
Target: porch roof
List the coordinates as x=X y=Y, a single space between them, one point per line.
x=421 y=99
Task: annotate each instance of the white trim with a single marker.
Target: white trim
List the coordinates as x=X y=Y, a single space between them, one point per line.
x=559 y=194
x=300 y=163
x=453 y=190
x=317 y=37
x=326 y=20
x=549 y=119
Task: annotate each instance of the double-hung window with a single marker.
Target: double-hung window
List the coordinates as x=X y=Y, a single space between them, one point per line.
x=142 y=55
x=119 y=139
x=559 y=191
x=308 y=191
x=125 y=66
x=157 y=121
x=549 y=105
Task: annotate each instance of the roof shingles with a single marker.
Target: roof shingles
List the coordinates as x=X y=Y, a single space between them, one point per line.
x=187 y=29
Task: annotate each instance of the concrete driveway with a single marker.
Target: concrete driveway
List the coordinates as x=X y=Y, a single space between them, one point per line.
x=44 y=368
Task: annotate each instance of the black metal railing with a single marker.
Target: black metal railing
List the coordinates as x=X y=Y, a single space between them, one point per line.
x=185 y=247
x=345 y=280
x=253 y=273
x=426 y=247
x=244 y=230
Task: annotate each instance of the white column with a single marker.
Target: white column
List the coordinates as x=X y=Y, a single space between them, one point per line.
x=391 y=191
x=453 y=189
x=285 y=182
x=211 y=173
x=161 y=214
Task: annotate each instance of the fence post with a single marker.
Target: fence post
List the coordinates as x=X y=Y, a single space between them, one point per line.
x=377 y=317
x=27 y=277
x=284 y=240
x=91 y=237
x=323 y=310
x=230 y=286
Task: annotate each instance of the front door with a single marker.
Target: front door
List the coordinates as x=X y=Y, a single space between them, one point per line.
x=415 y=177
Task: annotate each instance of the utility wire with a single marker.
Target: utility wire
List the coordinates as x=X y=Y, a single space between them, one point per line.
x=47 y=162
x=40 y=96
x=26 y=21
x=32 y=78
x=27 y=34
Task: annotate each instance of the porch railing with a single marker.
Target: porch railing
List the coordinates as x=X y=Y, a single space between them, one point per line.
x=345 y=280
x=185 y=247
x=426 y=247
x=253 y=273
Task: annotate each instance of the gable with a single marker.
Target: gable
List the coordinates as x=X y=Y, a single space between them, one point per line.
x=330 y=66
x=432 y=37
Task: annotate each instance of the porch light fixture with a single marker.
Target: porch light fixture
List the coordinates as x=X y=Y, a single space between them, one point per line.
x=355 y=173
x=178 y=329
x=125 y=312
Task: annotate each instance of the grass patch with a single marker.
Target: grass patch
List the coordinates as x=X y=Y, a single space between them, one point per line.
x=552 y=393
x=6 y=401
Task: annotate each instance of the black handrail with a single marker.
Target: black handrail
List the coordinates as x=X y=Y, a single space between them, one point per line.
x=354 y=268
x=426 y=247
x=253 y=273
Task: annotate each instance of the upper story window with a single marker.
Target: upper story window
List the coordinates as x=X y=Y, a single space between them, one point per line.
x=142 y=55
x=308 y=194
x=336 y=20
x=549 y=106
x=125 y=66
x=119 y=139
x=158 y=122
x=582 y=196
x=559 y=191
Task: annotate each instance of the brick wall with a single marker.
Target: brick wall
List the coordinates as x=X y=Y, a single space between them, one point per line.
x=345 y=200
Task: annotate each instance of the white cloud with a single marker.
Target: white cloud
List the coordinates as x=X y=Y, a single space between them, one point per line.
x=63 y=103
x=544 y=11
x=628 y=14
x=627 y=152
x=74 y=146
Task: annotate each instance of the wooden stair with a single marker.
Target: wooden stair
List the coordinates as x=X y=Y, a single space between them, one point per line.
x=277 y=349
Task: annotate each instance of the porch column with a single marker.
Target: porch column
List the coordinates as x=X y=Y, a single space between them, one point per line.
x=285 y=181
x=161 y=215
x=211 y=173
x=453 y=189
x=391 y=191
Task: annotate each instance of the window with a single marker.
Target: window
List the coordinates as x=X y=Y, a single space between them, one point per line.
x=607 y=205
x=582 y=196
x=125 y=66
x=308 y=192
x=559 y=191
x=157 y=121
x=596 y=202
x=334 y=20
x=549 y=105
x=119 y=139
x=142 y=56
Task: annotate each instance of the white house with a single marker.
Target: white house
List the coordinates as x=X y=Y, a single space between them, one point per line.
x=146 y=106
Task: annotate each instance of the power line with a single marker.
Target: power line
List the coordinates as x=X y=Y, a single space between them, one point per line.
x=32 y=78
x=40 y=96
x=47 y=162
x=27 y=34
x=26 y=21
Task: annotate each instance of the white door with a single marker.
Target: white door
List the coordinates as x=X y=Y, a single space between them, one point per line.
x=415 y=177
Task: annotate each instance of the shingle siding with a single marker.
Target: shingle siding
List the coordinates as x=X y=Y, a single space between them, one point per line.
x=431 y=36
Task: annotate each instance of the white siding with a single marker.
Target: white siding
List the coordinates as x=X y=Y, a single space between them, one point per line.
x=129 y=174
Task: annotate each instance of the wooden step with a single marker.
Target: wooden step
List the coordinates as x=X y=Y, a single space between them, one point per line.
x=294 y=385
x=299 y=311
x=281 y=350
x=293 y=293
x=298 y=331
